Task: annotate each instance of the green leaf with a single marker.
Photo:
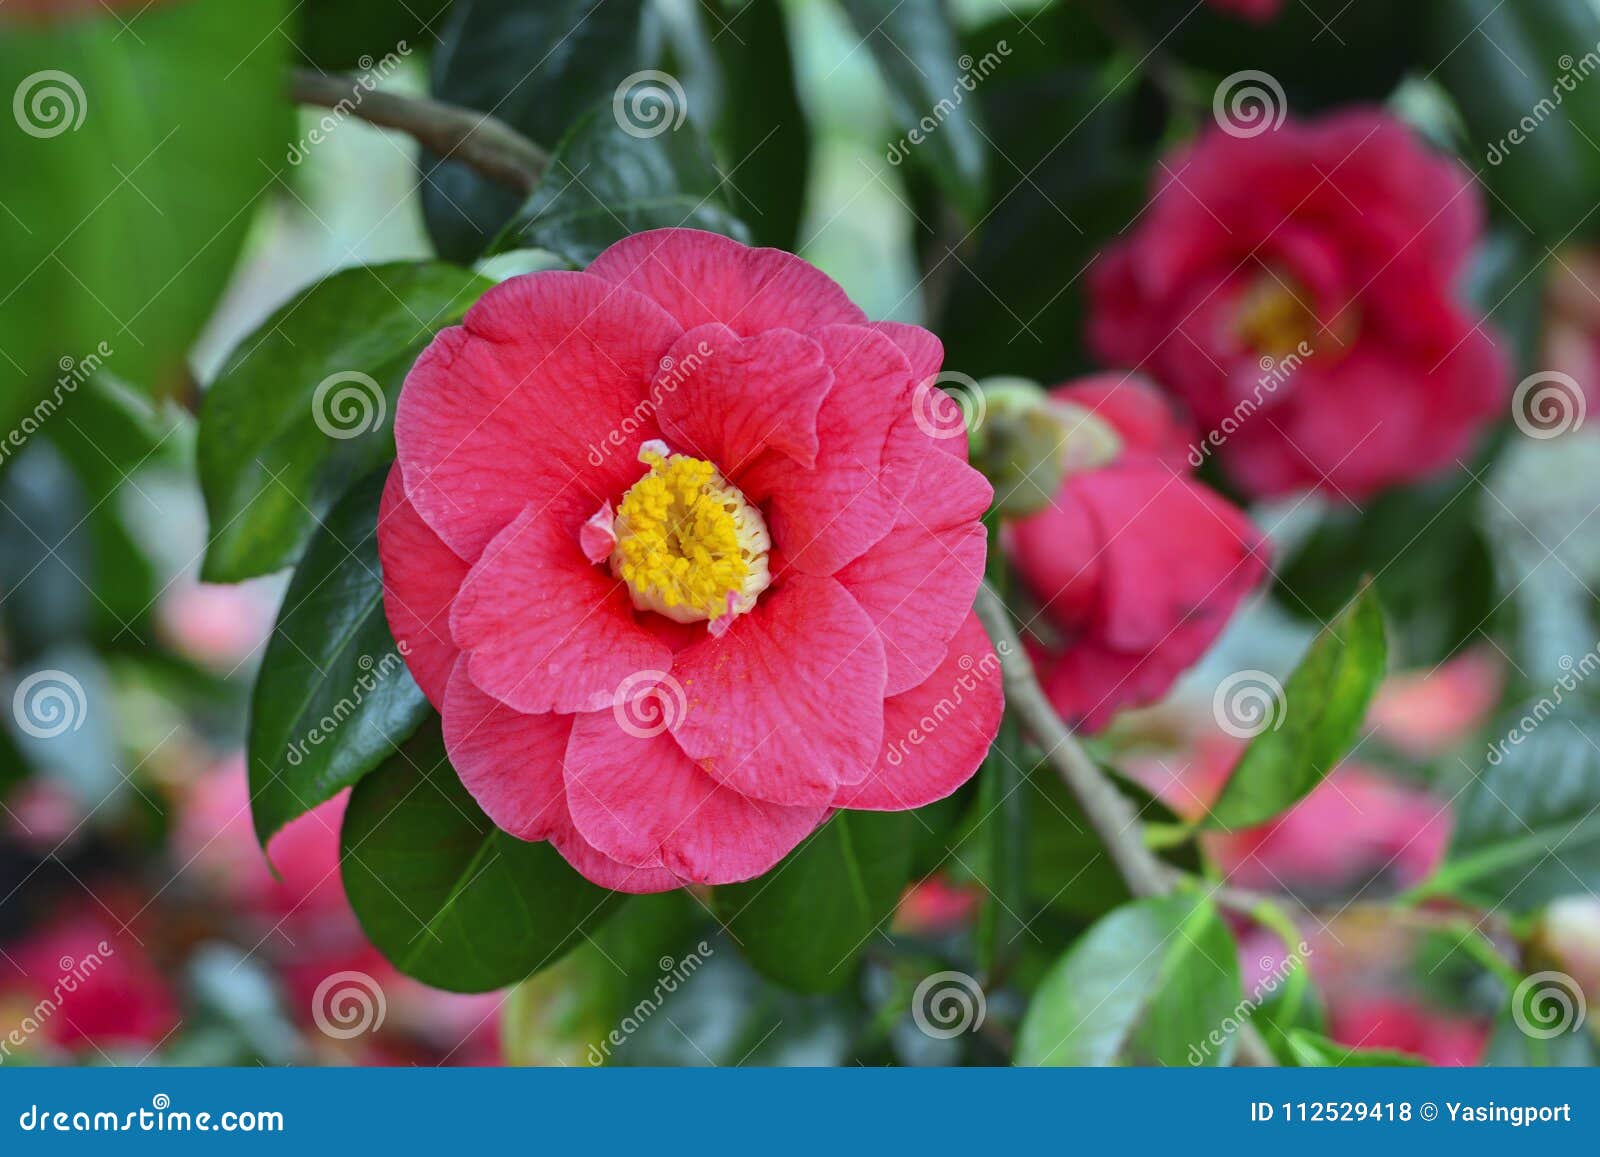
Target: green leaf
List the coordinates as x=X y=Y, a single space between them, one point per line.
x=805 y=922
x=1313 y=1051
x=1323 y=703
x=761 y=133
x=1155 y=982
x=1007 y=312
x=305 y=405
x=1512 y=72
x=534 y=66
x=128 y=193
x=444 y=894
x=916 y=52
x=604 y=183
x=1527 y=828
x=333 y=698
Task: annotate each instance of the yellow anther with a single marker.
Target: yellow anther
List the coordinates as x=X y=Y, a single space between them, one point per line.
x=689 y=545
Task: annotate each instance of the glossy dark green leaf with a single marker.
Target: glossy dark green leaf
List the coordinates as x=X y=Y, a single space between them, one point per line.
x=1055 y=192
x=1527 y=826
x=444 y=894
x=333 y=698
x=145 y=141
x=605 y=182
x=1312 y=728
x=916 y=51
x=534 y=66
x=1313 y=1051
x=806 y=921
x=1408 y=537
x=1532 y=116
x=1154 y=982
x=305 y=406
x=760 y=133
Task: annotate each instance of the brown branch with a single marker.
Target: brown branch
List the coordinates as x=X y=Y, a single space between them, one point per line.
x=475 y=139
x=1109 y=812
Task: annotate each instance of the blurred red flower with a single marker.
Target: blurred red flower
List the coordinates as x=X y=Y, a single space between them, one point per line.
x=1136 y=566
x=1296 y=288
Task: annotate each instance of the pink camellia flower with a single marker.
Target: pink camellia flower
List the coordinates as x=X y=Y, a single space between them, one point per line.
x=678 y=556
x=1296 y=288
x=1136 y=566
x=81 y=982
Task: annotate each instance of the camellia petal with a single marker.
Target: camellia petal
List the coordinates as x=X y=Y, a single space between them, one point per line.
x=936 y=734
x=789 y=703
x=704 y=277
x=545 y=629
x=640 y=800
x=421 y=576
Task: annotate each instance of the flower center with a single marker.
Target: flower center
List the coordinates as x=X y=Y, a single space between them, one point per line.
x=1273 y=320
x=689 y=544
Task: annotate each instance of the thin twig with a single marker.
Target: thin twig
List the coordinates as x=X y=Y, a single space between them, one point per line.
x=1107 y=809
x=475 y=139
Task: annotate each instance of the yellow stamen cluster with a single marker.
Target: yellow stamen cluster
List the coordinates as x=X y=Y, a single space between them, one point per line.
x=687 y=540
x=1273 y=320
